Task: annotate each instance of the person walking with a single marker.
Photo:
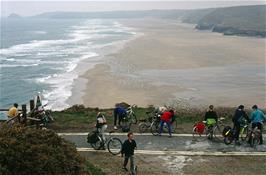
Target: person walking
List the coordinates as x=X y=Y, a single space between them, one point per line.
x=127 y=152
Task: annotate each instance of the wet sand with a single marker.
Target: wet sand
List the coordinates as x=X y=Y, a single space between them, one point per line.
x=174 y=62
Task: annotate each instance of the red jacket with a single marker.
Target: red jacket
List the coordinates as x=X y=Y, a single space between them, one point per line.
x=166 y=117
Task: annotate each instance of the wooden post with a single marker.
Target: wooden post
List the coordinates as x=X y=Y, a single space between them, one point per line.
x=24 y=111
x=32 y=105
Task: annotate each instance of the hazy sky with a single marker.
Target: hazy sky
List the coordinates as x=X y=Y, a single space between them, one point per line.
x=28 y=8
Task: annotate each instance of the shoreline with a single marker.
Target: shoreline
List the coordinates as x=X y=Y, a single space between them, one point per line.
x=133 y=74
x=80 y=84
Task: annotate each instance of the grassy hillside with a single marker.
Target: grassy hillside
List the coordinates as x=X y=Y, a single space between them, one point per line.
x=194 y=16
x=239 y=20
x=78 y=118
x=244 y=20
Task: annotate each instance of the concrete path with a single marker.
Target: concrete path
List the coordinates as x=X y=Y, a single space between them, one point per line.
x=179 y=144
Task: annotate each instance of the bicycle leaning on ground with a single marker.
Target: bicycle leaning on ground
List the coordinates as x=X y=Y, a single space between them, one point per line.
x=114 y=144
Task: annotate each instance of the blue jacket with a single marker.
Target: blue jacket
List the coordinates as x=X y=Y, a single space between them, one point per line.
x=257 y=116
x=120 y=111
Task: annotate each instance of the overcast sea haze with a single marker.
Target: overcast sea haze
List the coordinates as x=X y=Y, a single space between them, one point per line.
x=44 y=56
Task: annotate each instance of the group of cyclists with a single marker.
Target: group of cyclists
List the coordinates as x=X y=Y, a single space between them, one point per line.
x=240 y=117
x=257 y=117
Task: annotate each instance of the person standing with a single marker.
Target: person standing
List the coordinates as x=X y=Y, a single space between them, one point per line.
x=101 y=125
x=257 y=119
x=211 y=114
x=166 y=118
x=239 y=118
x=13 y=111
x=128 y=149
x=119 y=113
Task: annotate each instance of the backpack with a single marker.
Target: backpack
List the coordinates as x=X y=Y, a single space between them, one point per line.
x=92 y=137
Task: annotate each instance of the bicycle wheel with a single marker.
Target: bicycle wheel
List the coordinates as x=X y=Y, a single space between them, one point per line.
x=195 y=132
x=155 y=128
x=133 y=118
x=255 y=140
x=218 y=132
x=114 y=146
x=209 y=133
x=143 y=127
x=228 y=140
x=125 y=122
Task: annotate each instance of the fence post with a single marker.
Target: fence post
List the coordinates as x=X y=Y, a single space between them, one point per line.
x=32 y=105
x=24 y=112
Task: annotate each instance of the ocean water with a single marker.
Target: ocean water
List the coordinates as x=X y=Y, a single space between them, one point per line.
x=40 y=55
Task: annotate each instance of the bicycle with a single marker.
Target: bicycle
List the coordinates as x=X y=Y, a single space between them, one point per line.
x=114 y=144
x=131 y=115
x=215 y=131
x=229 y=133
x=145 y=124
x=128 y=119
x=42 y=115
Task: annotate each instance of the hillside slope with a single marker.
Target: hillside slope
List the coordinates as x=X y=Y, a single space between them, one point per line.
x=242 y=20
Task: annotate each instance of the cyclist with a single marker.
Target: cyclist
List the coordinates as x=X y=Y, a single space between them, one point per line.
x=101 y=125
x=239 y=118
x=128 y=148
x=166 y=118
x=119 y=112
x=257 y=119
x=210 y=117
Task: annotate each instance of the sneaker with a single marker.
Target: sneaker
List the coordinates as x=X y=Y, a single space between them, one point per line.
x=169 y=136
x=125 y=168
x=115 y=128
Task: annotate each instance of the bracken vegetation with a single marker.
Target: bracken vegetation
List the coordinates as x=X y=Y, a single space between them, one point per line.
x=27 y=151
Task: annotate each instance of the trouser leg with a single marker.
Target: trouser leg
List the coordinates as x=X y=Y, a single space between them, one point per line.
x=120 y=117
x=115 y=117
x=161 y=127
x=132 y=165
x=237 y=131
x=169 y=128
x=125 y=161
x=102 y=130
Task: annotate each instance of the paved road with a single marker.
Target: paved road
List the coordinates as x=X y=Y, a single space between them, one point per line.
x=178 y=143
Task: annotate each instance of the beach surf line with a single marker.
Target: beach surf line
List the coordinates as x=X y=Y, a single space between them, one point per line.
x=183 y=153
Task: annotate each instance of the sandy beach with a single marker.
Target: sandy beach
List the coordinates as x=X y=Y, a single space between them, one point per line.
x=172 y=62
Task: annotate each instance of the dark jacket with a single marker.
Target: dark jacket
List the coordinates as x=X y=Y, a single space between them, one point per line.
x=128 y=147
x=239 y=116
x=211 y=115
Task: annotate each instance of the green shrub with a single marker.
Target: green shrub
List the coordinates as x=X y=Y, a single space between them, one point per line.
x=26 y=151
